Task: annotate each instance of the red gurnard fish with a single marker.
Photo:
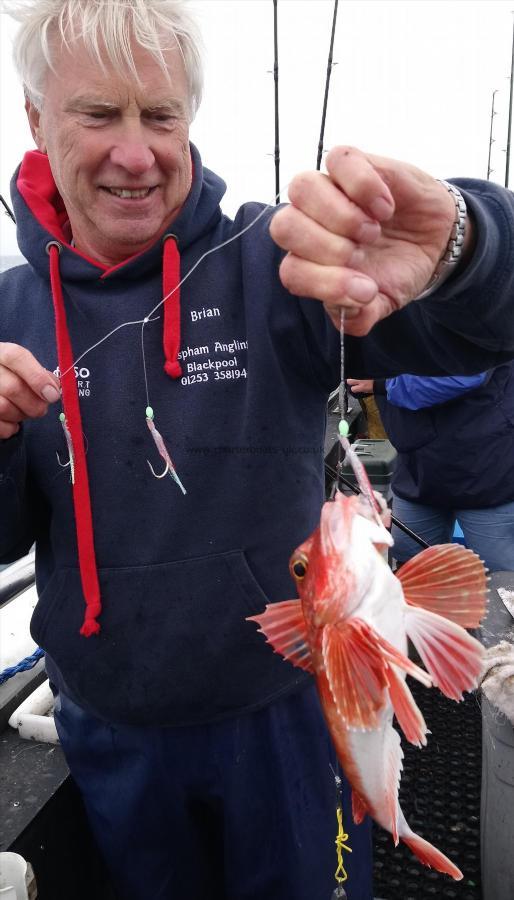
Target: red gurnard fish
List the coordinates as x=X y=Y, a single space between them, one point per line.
x=350 y=629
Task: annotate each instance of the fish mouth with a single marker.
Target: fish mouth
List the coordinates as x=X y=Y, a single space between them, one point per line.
x=336 y=523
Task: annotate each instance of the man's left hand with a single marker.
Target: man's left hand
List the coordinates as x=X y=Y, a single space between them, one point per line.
x=366 y=238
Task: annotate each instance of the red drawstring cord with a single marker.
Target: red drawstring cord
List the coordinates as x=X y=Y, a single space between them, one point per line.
x=71 y=406
x=171 y=331
x=81 y=496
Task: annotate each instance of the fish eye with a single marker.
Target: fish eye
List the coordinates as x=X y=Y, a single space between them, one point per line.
x=299 y=567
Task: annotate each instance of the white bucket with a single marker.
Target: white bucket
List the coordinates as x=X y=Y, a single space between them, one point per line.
x=13 y=875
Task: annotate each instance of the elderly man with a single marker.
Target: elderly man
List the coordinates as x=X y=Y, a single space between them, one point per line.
x=202 y=757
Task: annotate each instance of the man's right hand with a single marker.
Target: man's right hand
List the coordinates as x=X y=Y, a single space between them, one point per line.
x=26 y=388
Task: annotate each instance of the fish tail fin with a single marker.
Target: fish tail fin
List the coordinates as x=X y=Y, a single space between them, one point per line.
x=430 y=856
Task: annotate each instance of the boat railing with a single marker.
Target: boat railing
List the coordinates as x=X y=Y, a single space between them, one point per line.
x=16 y=578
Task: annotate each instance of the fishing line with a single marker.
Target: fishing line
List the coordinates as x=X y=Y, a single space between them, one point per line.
x=148 y=318
x=342 y=385
x=336 y=476
x=358 y=467
x=341 y=840
x=149 y=413
x=94 y=346
x=344 y=428
x=157 y=437
x=213 y=250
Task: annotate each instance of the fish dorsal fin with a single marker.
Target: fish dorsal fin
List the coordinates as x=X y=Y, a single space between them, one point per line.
x=453 y=658
x=283 y=624
x=358 y=665
x=449 y=580
x=356 y=672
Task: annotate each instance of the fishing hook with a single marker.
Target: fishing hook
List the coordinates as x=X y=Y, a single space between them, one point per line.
x=69 y=444
x=161 y=447
x=62 y=465
x=155 y=475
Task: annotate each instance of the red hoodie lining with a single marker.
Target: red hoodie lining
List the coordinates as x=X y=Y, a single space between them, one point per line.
x=36 y=185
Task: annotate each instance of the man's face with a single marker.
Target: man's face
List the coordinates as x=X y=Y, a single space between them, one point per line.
x=118 y=149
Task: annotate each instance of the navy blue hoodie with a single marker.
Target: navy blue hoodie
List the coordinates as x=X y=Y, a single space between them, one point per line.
x=244 y=425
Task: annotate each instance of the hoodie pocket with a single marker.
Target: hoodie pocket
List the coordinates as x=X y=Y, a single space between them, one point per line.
x=174 y=647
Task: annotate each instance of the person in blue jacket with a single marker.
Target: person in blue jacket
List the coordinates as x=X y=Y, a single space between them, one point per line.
x=203 y=758
x=455 y=441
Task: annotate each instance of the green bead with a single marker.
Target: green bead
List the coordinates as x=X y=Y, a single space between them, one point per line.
x=149 y=412
x=344 y=428
x=62 y=417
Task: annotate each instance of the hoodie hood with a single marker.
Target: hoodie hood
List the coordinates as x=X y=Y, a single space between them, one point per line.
x=41 y=217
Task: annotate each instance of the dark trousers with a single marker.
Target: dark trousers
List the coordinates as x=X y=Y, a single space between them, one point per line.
x=240 y=809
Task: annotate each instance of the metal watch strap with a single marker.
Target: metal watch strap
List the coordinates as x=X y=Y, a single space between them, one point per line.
x=453 y=251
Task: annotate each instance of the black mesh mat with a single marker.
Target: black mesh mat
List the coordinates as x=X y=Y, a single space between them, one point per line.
x=440 y=797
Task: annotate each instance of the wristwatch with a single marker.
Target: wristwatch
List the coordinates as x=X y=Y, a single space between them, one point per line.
x=452 y=254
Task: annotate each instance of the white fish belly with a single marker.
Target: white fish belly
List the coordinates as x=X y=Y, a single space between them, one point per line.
x=383 y=607
x=377 y=759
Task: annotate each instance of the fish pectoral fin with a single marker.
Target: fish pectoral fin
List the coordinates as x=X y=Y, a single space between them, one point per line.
x=453 y=658
x=283 y=624
x=392 y=655
x=406 y=710
x=449 y=580
x=356 y=672
x=359 y=808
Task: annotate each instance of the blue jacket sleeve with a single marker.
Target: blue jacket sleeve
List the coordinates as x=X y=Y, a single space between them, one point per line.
x=419 y=391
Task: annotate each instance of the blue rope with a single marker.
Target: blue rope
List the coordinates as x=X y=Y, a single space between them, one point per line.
x=28 y=663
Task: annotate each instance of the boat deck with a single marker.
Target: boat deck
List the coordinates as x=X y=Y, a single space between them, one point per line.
x=440 y=798
x=43 y=819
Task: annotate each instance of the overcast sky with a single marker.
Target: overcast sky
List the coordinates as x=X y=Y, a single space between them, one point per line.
x=413 y=80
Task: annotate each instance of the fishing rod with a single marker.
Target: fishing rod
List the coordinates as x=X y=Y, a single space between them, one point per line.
x=7 y=209
x=491 y=139
x=327 y=86
x=509 y=126
x=337 y=476
x=275 y=78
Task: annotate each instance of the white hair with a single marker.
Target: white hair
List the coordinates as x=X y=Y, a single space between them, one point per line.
x=156 y=25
